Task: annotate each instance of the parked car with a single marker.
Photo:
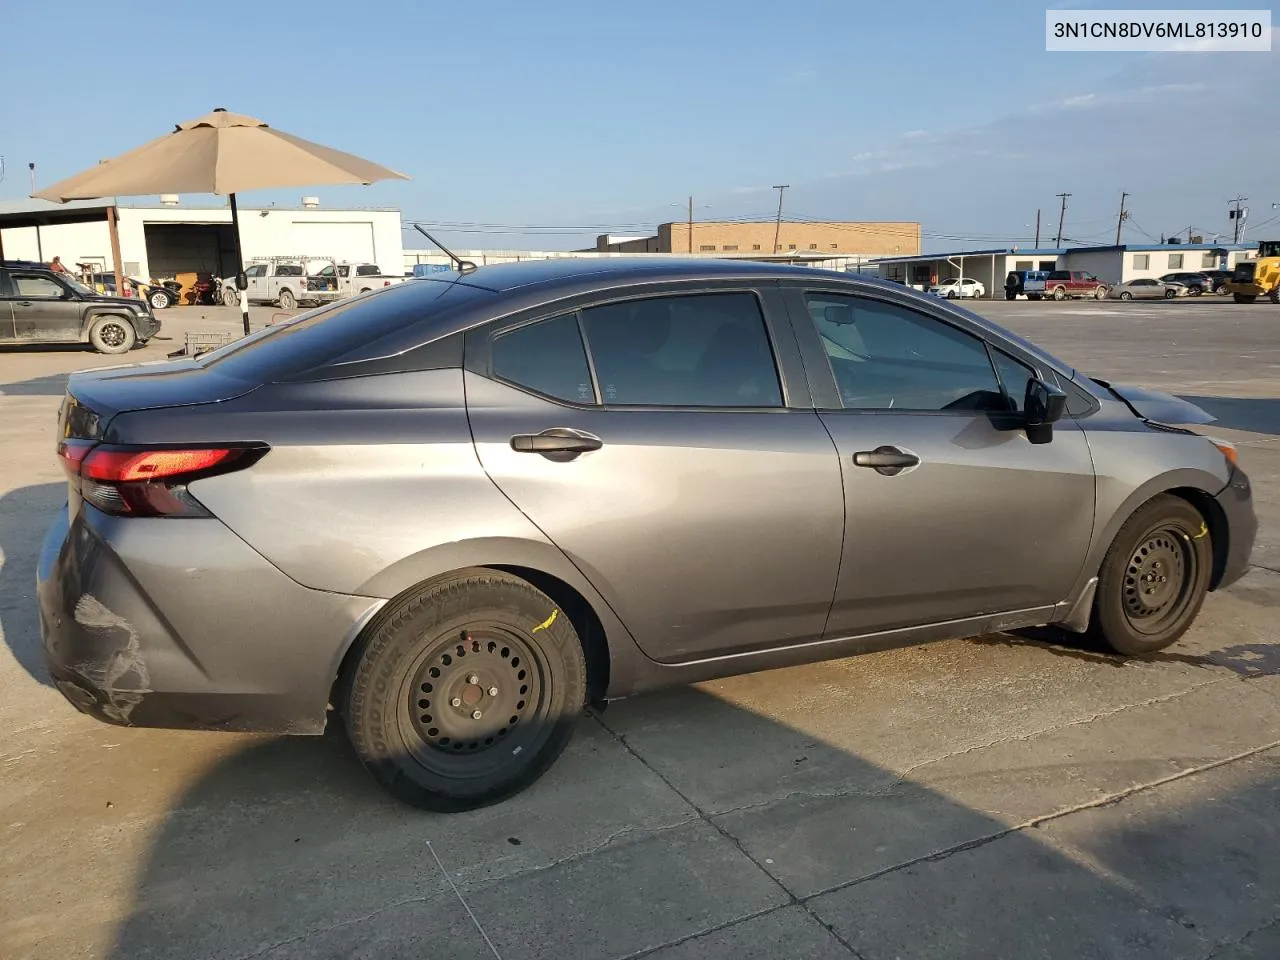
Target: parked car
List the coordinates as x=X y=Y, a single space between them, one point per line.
x=1015 y=282
x=350 y=279
x=1219 y=279
x=1146 y=289
x=954 y=288
x=461 y=509
x=1193 y=284
x=39 y=305
x=1065 y=284
x=286 y=282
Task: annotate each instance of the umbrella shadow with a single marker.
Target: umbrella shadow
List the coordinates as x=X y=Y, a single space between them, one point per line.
x=24 y=517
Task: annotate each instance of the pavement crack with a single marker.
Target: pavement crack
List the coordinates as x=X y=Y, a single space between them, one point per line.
x=1228 y=944
x=320 y=931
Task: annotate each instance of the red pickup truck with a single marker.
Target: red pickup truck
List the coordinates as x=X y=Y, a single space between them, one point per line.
x=1061 y=284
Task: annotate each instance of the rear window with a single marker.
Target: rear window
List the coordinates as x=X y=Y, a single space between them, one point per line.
x=331 y=333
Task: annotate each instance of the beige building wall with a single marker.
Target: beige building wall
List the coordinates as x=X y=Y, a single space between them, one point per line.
x=886 y=238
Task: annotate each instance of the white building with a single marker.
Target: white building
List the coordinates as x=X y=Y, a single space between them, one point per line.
x=163 y=241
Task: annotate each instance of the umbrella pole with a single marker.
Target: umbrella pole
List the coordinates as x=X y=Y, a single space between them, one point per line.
x=235 y=233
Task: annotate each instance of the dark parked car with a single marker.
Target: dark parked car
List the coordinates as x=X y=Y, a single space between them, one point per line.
x=1219 y=278
x=1196 y=283
x=38 y=305
x=458 y=510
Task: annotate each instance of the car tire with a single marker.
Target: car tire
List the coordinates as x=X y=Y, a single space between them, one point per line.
x=1195 y=291
x=160 y=299
x=1100 y=293
x=1011 y=295
x=1243 y=297
x=1059 y=293
x=475 y=642
x=1034 y=296
x=1165 y=538
x=230 y=297
x=112 y=335
x=1274 y=295
x=287 y=300
x=1126 y=295
x=1171 y=294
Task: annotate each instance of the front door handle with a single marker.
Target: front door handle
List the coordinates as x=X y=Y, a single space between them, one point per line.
x=557 y=443
x=886 y=460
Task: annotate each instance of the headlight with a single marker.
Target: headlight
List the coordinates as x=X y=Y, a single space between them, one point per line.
x=1226 y=448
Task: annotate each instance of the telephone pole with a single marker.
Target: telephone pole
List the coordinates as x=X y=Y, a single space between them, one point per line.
x=691 y=224
x=1235 y=216
x=1061 y=216
x=1037 y=228
x=1123 y=216
x=777 y=226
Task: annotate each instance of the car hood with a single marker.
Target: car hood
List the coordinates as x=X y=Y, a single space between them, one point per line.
x=1156 y=406
x=118 y=301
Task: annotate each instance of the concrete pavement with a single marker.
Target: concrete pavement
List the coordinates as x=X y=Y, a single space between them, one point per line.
x=1001 y=797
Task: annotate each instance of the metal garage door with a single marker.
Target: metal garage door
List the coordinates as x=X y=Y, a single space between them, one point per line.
x=344 y=241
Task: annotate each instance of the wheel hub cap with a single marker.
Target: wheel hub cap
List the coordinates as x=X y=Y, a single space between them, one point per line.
x=474 y=694
x=1155 y=576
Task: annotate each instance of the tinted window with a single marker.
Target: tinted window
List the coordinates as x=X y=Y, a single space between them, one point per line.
x=545 y=357
x=288 y=270
x=367 y=270
x=703 y=350
x=1014 y=376
x=34 y=285
x=886 y=357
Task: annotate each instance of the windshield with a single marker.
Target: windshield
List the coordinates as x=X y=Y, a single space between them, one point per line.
x=78 y=287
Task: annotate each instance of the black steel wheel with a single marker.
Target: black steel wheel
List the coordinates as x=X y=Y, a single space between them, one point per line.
x=465 y=691
x=1155 y=577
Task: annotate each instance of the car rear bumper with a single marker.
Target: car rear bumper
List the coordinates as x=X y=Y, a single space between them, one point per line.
x=178 y=623
x=1236 y=501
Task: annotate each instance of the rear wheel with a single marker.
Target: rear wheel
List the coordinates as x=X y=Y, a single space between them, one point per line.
x=1126 y=295
x=160 y=299
x=1059 y=293
x=1154 y=578
x=466 y=692
x=287 y=300
x=112 y=335
x=1243 y=297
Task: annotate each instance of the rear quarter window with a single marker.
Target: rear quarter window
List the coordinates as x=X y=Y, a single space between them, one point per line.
x=329 y=334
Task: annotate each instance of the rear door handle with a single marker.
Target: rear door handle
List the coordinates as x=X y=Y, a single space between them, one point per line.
x=887 y=460
x=557 y=443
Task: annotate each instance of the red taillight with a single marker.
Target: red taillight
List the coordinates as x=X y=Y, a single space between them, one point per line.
x=148 y=482
x=124 y=466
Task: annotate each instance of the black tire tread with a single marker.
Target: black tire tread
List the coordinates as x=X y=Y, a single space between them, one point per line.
x=439 y=600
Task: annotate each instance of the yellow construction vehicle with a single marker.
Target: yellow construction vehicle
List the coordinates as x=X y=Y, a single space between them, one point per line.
x=1252 y=279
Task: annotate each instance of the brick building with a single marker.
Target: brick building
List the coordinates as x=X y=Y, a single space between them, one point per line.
x=885 y=238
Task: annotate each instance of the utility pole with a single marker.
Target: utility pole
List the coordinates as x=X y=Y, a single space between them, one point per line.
x=1122 y=217
x=777 y=226
x=691 y=224
x=1061 y=216
x=32 y=168
x=1235 y=215
x=1037 y=228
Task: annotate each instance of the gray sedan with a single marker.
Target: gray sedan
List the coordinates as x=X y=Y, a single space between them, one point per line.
x=450 y=514
x=1146 y=289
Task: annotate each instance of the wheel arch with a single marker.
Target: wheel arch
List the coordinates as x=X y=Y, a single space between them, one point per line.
x=93 y=314
x=1215 y=519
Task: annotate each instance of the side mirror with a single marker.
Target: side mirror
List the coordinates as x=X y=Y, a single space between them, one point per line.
x=1044 y=406
x=242 y=281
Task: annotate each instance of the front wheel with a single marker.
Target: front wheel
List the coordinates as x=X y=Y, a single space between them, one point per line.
x=1100 y=293
x=230 y=297
x=466 y=691
x=1154 y=578
x=1170 y=294
x=112 y=335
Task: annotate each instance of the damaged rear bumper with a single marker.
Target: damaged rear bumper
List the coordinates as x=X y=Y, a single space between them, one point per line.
x=179 y=623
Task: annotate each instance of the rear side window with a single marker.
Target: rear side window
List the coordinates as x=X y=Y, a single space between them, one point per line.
x=696 y=350
x=546 y=357
x=329 y=333
x=367 y=270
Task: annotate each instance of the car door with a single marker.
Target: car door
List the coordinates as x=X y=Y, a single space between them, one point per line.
x=6 y=308
x=43 y=308
x=257 y=275
x=975 y=520
x=694 y=486
x=1148 y=289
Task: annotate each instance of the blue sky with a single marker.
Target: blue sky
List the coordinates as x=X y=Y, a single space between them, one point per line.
x=553 y=122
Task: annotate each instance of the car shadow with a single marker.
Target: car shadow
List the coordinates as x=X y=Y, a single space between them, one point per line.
x=53 y=385
x=25 y=514
x=287 y=849
x=1252 y=414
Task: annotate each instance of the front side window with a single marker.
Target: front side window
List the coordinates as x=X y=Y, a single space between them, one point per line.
x=1014 y=377
x=34 y=285
x=886 y=357
x=545 y=357
x=697 y=350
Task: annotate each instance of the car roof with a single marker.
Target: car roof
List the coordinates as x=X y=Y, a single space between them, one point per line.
x=612 y=271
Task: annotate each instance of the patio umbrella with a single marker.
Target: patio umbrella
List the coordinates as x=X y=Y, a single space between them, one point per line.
x=223 y=153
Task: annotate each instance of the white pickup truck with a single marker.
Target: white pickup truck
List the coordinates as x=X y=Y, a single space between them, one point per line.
x=350 y=279
x=286 y=281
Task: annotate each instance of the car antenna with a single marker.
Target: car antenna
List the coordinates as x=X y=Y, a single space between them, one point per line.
x=464 y=266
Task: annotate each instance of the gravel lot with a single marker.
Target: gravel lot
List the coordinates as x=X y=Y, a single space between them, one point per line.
x=998 y=797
